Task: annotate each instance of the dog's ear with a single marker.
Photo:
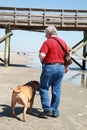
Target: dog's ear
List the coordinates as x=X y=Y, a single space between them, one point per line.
x=36 y=84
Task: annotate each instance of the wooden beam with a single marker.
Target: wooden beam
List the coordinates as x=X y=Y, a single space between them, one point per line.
x=4 y=37
x=84 y=50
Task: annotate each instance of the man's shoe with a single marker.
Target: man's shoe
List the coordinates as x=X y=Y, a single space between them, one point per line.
x=45 y=113
x=55 y=116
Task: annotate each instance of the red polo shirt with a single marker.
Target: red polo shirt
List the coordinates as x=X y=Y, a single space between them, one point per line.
x=53 y=50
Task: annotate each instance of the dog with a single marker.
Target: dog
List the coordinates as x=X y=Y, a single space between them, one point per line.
x=24 y=94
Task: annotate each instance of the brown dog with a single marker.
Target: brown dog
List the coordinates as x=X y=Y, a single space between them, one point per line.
x=24 y=94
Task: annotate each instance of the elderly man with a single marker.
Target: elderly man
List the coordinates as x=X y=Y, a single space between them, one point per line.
x=52 y=58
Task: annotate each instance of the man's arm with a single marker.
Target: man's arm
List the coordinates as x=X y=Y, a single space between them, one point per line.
x=41 y=56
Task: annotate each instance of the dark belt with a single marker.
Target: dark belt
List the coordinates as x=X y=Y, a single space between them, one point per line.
x=54 y=63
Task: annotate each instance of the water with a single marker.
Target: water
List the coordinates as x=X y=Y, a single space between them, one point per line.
x=75 y=75
x=34 y=61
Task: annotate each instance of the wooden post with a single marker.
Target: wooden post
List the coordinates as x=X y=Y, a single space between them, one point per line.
x=7 y=48
x=84 y=51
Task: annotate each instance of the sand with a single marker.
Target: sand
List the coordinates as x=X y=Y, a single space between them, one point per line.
x=73 y=106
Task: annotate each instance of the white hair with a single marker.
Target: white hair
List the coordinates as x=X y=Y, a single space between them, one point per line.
x=51 y=29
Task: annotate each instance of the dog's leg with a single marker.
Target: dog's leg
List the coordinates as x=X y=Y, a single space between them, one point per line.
x=13 y=108
x=24 y=112
x=31 y=103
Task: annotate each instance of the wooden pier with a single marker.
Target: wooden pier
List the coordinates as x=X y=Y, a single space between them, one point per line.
x=37 y=19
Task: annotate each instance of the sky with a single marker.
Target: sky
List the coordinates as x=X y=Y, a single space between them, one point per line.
x=29 y=41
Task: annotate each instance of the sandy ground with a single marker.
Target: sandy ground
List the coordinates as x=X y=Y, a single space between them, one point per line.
x=73 y=107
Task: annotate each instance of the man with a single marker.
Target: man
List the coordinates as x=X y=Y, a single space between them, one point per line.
x=53 y=69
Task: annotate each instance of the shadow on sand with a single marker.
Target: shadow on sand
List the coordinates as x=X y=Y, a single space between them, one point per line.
x=17 y=65
x=6 y=111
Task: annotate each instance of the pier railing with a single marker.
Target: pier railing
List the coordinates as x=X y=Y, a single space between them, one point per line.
x=38 y=19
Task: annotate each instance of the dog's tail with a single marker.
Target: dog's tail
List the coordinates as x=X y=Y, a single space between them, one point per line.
x=17 y=89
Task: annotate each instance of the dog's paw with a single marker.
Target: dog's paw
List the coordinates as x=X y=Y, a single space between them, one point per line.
x=24 y=120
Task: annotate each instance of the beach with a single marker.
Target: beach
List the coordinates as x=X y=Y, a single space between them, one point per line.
x=73 y=106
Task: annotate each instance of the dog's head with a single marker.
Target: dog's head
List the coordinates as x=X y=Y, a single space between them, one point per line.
x=34 y=84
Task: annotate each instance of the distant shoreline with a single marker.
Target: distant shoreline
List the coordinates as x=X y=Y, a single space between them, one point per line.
x=75 y=76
